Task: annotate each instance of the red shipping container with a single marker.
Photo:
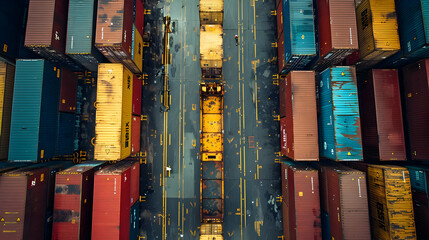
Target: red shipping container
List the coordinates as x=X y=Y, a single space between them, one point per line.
x=114 y=29
x=278 y=2
x=279 y=14
x=283 y=136
x=281 y=53
x=300 y=190
x=416 y=90
x=139 y=19
x=23 y=200
x=337 y=31
x=344 y=197
x=381 y=116
x=73 y=202
x=298 y=91
x=135 y=181
x=135 y=134
x=137 y=96
x=68 y=91
x=352 y=59
x=111 y=203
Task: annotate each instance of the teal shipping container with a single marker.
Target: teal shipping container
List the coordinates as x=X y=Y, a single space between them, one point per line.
x=299 y=34
x=135 y=221
x=80 y=34
x=339 y=119
x=418 y=178
x=34 y=111
x=413 y=21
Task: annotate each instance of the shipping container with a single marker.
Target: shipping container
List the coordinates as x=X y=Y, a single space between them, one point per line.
x=211 y=122
x=137 y=96
x=111 y=202
x=337 y=31
x=113 y=114
x=135 y=134
x=281 y=54
x=298 y=91
x=413 y=27
x=12 y=16
x=114 y=32
x=9 y=166
x=391 y=206
x=65 y=134
x=339 y=120
x=23 y=200
x=419 y=188
x=137 y=49
x=211 y=12
x=416 y=94
x=211 y=50
x=135 y=221
x=139 y=15
x=72 y=215
x=7 y=75
x=279 y=15
x=135 y=181
x=381 y=116
x=46 y=31
x=211 y=231
x=299 y=34
x=82 y=16
x=345 y=202
x=300 y=191
x=377 y=29
x=34 y=111
x=68 y=91
x=212 y=191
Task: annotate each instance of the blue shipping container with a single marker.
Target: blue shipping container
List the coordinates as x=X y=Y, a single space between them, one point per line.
x=413 y=22
x=299 y=34
x=66 y=134
x=418 y=178
x=34 y=111
x=80 y=34
x=339 y=120
x=135 y=221
x=326 y=226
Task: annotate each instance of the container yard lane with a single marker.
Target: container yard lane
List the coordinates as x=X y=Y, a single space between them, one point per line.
x=252 y=186
x=252 y=176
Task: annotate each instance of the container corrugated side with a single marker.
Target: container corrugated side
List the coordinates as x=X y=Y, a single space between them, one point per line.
x=139 y=15
x=135 y=134
x=114 y=95
x=11 y=14
x=381 y=115
x=34 y=111
x=300 y=191
x=419 y=188
x=301 y=116
x=211 y=12
x=337 y=31
x=111 y=203
x=135 y=221
x=7 y=75
x=137 y=96
x=279 y=17
x=23 y=204
x=339 y=120
x=299 y=34
x=416 y=94
x=281 y=54
x=68 y=91
x=82 y=17
x=137 y=49
x=65 y=138
x=211 y=48
x=391 y=205
x=377 y=29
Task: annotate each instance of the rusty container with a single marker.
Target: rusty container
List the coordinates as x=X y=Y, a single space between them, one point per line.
x=300 y=191
x=299 y=95
x=381 y=116
x=114 y=32
x=212 y=191
x=416 y=94
x=337 y=31
x=344 y=199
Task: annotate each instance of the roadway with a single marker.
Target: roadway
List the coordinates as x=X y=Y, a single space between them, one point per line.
x=171 y=208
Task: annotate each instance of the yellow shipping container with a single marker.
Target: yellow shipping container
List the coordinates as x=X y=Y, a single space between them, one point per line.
x=211 y=231
x=113 y=115
x=211 y=46
x=211 y=12
x=137 y=51
x=391 y=203
x=7 y=76
x=377 y=29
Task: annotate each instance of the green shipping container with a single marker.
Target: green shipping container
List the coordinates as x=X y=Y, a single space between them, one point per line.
x=80 y=37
